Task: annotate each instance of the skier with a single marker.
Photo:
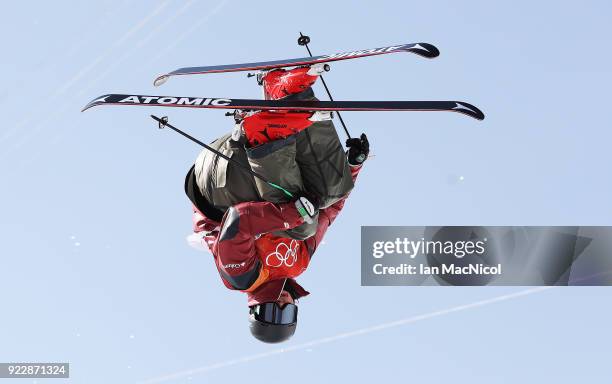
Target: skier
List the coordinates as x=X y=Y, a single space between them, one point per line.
x=259 y=239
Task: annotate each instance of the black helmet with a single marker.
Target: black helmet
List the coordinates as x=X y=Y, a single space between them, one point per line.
x=272 y=323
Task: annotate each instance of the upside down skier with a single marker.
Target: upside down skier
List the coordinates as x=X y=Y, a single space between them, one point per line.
x=260 y=240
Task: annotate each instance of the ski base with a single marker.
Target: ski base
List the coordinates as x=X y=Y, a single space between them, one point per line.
x=422 y=49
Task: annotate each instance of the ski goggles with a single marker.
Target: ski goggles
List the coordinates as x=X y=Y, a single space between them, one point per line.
x=273 y=313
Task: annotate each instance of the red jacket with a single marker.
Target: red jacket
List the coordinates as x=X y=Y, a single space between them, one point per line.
x=250 y=258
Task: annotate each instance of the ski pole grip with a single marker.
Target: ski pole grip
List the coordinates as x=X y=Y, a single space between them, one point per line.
x=303 y=39
x=161 y=123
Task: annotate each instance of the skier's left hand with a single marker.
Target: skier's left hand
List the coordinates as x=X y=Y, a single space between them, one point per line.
x=358 y=149
x=306 y=208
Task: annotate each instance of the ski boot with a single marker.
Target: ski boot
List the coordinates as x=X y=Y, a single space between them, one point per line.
x=265 y=126
x=280 y=83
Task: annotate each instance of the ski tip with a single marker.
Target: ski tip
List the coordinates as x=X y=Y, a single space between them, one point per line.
x=425 y=50
x=160 y=80
x=97 y=101
x=468 y=109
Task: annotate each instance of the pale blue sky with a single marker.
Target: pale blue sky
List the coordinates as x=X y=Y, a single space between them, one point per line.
x=94 y=267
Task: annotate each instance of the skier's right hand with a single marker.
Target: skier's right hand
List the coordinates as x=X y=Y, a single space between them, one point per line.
x=358 y=149
x=307 y=208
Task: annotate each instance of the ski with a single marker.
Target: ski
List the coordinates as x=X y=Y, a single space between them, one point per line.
x=422 y=49
x=291 y=105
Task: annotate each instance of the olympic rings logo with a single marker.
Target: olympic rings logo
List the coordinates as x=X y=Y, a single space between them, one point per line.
x=283 y=255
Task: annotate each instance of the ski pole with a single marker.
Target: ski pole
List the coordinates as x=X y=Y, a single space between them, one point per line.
x=163 y=122
x=304 y=40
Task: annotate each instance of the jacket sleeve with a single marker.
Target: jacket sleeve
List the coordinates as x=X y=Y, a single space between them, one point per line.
x=205 y=231
x=237 y=260
x=328 y=215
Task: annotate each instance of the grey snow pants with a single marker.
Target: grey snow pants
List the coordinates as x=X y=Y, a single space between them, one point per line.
x=312 y=162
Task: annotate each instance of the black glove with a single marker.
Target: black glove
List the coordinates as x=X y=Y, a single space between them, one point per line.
x=358 y=150
x=306 y=208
